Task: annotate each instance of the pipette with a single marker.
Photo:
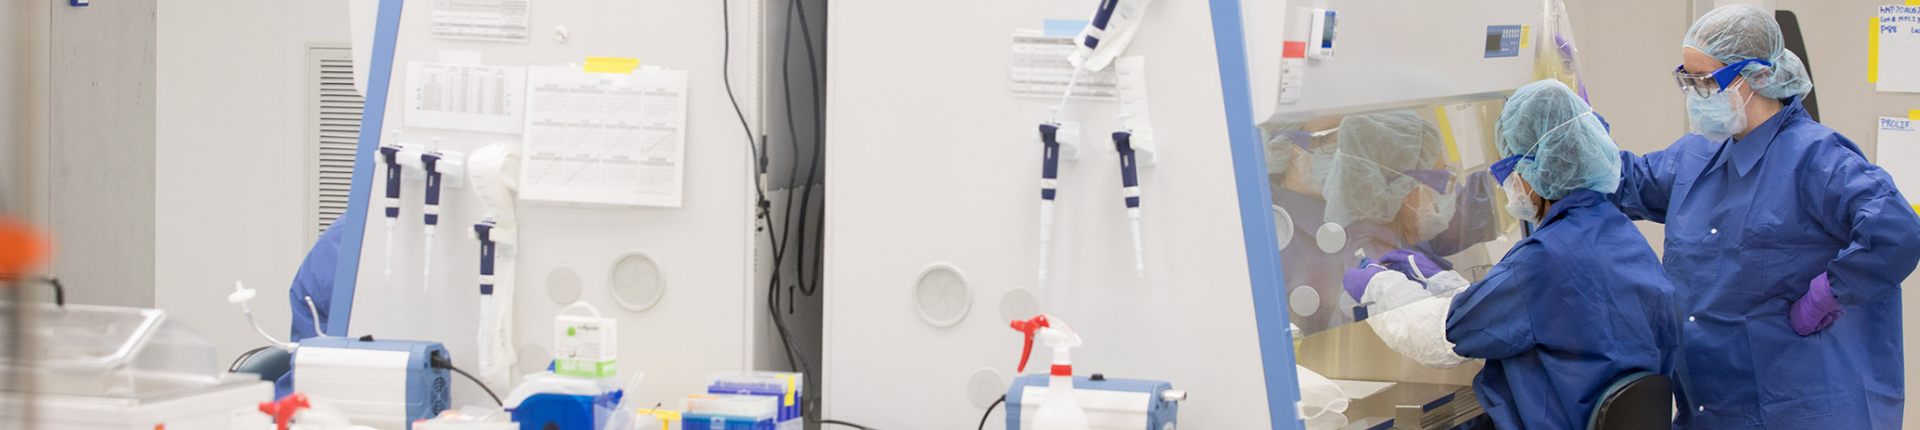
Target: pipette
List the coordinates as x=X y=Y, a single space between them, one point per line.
x=1049 y=181
x=1130 y=189
x=484 y=232
x=390 y=153
x=430 y=160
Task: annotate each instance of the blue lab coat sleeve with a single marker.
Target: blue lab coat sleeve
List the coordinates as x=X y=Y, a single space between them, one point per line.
x=1646 y=184
x=1490 y=319
x=314 y=279
x=1860 y=204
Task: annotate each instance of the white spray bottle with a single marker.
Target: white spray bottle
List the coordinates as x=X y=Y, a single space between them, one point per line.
x=1062 y=410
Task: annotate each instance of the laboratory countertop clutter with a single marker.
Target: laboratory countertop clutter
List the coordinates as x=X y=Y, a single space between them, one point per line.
x=589 y=223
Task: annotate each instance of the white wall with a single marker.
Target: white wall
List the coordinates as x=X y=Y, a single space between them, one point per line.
x=100 y=159
x=230 y=180
x=1629 y=46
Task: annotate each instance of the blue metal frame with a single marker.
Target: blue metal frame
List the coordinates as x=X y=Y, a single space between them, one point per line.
x=1256 y=217
x=386 y=35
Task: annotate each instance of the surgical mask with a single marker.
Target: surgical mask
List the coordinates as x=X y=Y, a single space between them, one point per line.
x=1716 y=117
x=1520 y=203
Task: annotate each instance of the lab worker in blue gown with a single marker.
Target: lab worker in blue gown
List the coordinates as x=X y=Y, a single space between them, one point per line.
x=314 y=280
x=1382 y=178
x=1786 y=245
x=1583 y=300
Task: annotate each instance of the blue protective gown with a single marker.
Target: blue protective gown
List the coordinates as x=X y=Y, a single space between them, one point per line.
x=315 y=279
x=1749 y=224
x=1577 y=305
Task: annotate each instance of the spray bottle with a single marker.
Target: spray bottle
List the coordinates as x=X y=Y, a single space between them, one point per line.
x=1062 y=410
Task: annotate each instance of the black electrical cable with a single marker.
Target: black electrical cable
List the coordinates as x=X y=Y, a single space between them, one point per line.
x=844 y=423
x=235 y=367
x=441 y=362
x=813 y=164
x=983 y=417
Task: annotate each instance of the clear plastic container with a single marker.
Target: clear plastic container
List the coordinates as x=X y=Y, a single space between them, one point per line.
x=736 y=406
x=115 y=354
x=787 y=388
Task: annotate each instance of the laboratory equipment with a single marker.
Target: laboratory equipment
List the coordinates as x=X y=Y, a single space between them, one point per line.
x=385 y=384
x=489 y=324
x=585 y=345
x=113 y=368
x=1229 y=339
x=390 y=155
x=1111 y=404
x=430 y=161
x=544 y=411
x=1130 y=192
x=788 y=388
x=1051 y=151
x=298 y=412
x=1062 y=410
x=729 y=413
x=1322 y=32
x=494 y=172
x=1112 y=28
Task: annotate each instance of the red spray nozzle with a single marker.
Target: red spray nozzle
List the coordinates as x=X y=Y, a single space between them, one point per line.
x=1029 y=327
x=282 y=410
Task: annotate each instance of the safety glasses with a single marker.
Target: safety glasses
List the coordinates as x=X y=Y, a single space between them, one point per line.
x=1708 y=84
x=1503 y=168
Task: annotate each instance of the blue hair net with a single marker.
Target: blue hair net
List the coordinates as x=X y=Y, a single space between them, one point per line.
x=1369 y=177
x=1733 y=33
x=1571 y=150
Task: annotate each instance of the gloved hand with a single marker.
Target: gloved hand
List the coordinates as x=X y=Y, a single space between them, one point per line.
x=1356 y=280
x=1816 y=310
x=1412 y=263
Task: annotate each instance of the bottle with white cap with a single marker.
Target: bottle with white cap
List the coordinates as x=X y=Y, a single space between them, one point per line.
x=1061 y=410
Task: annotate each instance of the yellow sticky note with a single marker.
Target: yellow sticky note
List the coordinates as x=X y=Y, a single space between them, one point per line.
x=1914 y=114
x=1916 y=208
x=1873 y=53
x=1526 y=32
x=1446 y=128
x=611 y=65
x=1913 y=2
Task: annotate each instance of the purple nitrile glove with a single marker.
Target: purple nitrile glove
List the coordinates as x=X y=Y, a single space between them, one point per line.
x=1356 y=280
x=1816 y=310
x=1412 y=263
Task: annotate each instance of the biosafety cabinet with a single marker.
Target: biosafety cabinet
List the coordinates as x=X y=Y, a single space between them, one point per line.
x=1289 y=140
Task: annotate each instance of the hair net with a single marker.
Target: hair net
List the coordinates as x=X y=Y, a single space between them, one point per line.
x=1368 y=180
x=1738 y=32
x=1571 y=150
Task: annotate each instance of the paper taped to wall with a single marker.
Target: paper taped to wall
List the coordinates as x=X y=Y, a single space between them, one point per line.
x=602 y=138
x=488 y=20
x=465 y=97
x=1898 y=142
x=1896 y=54
x=1039 y=68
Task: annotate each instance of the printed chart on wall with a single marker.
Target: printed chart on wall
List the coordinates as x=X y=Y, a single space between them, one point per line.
x=1896 y=49
x=604 y=138
x=465 y=97
x=1899 y=139
x=488 y=20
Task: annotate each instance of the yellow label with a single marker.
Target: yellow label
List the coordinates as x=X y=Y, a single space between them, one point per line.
x=1914 y=114
x=1913 y=2
x=1916 y=208
x=1873 y=53
x=611 y=65
x=1446 y=129
x=1526 y=32
x=790 y=384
